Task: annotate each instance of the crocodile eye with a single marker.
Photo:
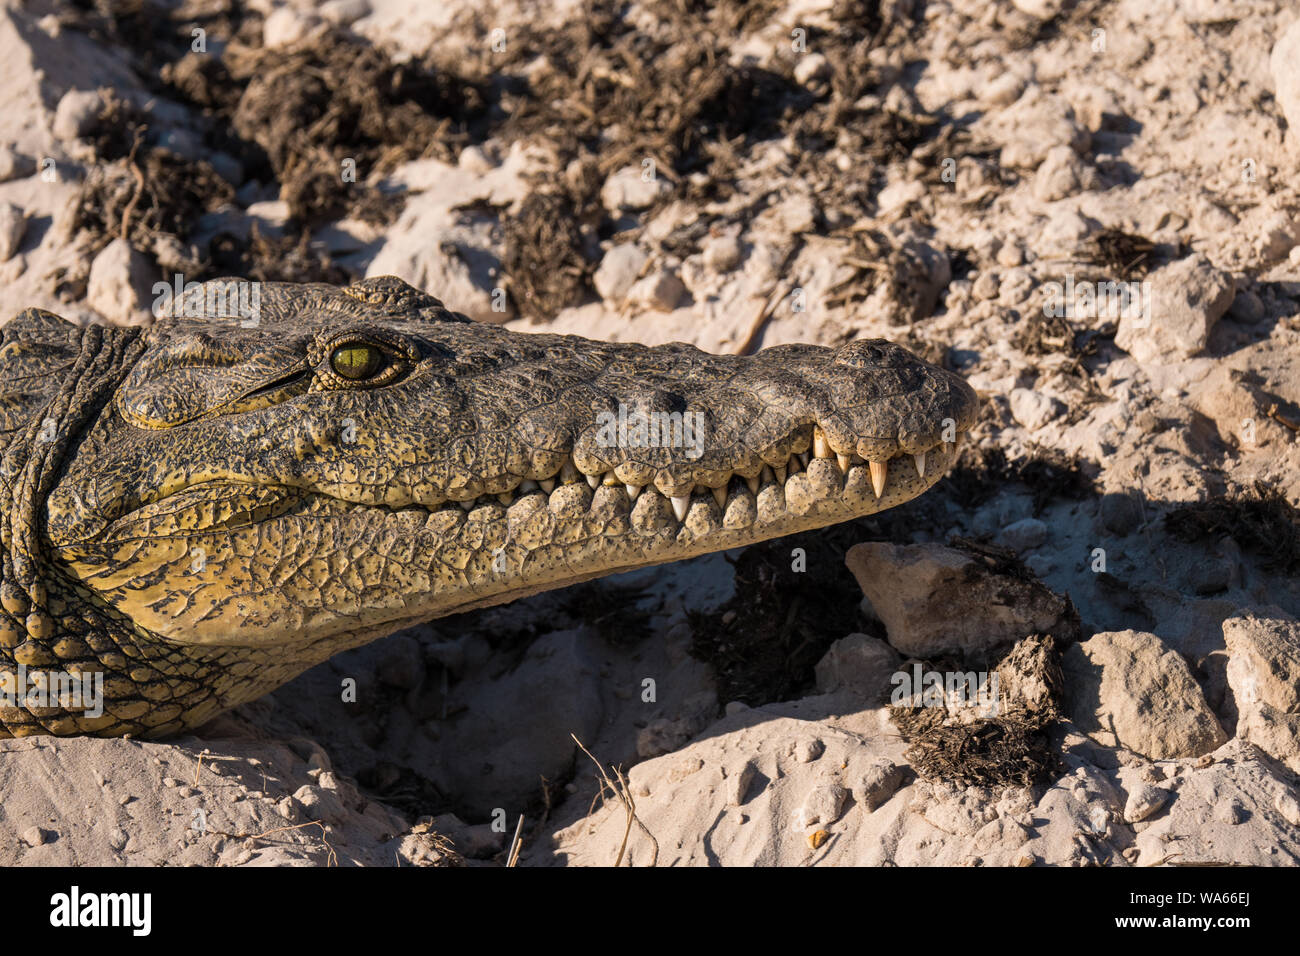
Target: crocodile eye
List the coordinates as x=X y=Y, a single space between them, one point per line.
x=357 y=361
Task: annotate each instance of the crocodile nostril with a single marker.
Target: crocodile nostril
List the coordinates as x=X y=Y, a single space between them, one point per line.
x=869 y=353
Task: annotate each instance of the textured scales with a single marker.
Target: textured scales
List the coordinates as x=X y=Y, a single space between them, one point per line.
x=202 y=510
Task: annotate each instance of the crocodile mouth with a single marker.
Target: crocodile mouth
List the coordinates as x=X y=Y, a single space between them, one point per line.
x=811 y=474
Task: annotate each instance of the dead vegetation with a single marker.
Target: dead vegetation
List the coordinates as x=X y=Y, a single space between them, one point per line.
x=794 y=597
x=1261 y=521
x=1011 y=749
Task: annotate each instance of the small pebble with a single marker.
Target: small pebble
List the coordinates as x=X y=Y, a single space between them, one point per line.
x=1145 y=802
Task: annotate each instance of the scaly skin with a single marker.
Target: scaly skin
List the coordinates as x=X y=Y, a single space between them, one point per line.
x=201 y=511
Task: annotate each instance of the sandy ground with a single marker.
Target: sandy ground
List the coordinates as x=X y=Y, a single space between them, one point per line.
x=946 y=183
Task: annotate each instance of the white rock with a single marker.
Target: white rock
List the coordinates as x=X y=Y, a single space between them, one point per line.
x=1285 y=66
x=286 y=26
x=1033 y=409
x=119 y=284
x=810 y=68
x=272 y=217
x=1128 y=683
x=344 y=12
x=1039 y=9
x=823 y=805
x=1187 y=298
x=1023 y=535
x=986 y=285
x=1145 y=802
x=1287 y=805
x=618 y=272
x=14 y=165
x=76 y=114
x=661 y=290
x=880 y=781
x=935 y=600
x=1033 y=125
x=1277 y=235
x=858 y=663
x=1060 y=174
x=1004 y=90
x=738 y=783
x=629 y=190
x=13 y=224
x=474 y=160
x=722 y=253
x=794 y=214
x=808 y=749
x=1264 y=658
x=1263 y=674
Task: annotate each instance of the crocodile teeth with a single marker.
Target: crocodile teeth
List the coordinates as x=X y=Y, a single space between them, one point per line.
x=680 y=504
x=821 y=447
x=919 y=458
x=547 y=485
x=720 y=496
x=594 y=481
x=803 y=458
x=753 y=485
x=844 y=461
x=633 y=491
x=468 y=504
x=779 y=471
x=527 y=485
x=766 y=474
x=505 y=497
x=610 y=480
x=794 y=466
x=568 y=473
x=879 y=472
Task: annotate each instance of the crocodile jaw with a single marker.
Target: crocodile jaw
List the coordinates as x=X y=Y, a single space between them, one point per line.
x=254 y=582
x=233 y=496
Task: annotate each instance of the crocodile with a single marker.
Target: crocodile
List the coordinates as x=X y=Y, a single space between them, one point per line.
x=197 y=511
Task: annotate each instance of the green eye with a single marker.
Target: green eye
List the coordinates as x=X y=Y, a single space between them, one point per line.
x=357 y=362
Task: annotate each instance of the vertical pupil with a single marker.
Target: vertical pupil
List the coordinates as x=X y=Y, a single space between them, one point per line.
x=355 y=361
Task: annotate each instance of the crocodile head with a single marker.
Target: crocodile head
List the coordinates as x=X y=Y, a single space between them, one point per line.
x=266 y=492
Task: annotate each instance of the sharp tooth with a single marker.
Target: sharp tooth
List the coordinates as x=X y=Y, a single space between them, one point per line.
x=547 y=485
x=803 y=458
x=753 y=485
x=594 y=481
x=779 y=471
x=633 y=491
x=568 y=473
x=505 y=497
x=821 y=447
x=794 y=465
x=680 y=504
x=610 y=480
x=467 y=505
x=766 y=474
x=879 y=472
x=527 y=485
x=919 y=458
x=844 y=462
x=720 y=496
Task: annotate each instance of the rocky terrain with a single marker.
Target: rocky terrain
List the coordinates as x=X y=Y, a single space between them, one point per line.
x=1088 y=208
